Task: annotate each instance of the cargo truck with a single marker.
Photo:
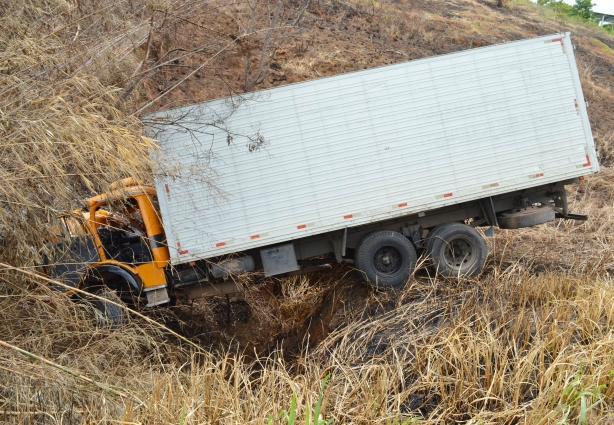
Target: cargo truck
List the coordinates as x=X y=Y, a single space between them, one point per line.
x=371 y=167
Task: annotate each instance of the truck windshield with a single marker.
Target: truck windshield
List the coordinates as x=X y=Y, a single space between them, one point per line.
x=122 y=232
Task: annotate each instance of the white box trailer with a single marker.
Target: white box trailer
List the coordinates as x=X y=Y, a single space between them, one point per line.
x=405 y=147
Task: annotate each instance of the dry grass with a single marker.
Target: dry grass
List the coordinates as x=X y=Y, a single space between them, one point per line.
x=64 y=130
x=72 y=75
x=509 y=347
x=529 y=342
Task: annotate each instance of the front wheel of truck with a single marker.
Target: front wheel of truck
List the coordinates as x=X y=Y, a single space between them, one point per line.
x=108 y=310
x=386 y=258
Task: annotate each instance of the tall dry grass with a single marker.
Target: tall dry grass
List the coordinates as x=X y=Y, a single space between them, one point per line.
x=71 y=77
x=65 y=131
x=510 y=347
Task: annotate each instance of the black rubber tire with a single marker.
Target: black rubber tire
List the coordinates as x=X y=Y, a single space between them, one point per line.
x=357 y=249
x=107 y=314
x=457 y=250
x=525 y=217
x=430 y=237
x=386 y=258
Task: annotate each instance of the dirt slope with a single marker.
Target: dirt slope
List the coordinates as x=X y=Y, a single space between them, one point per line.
x=335 y=37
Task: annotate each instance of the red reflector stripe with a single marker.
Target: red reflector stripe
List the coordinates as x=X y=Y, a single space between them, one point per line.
x=301 y=226
x=404 y=204
x=588 y=162
x=494 y=184
x=219 y=244
x=539 y=175
x=185 y=251
x=254 y=237
x=167 y=189
x=554 y=40
x=447 y=195
x=158 y=119
x=345 y=217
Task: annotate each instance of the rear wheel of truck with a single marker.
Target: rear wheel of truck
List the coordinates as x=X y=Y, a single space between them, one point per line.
x=386 y=259
x=107 y=312
x=457 y=250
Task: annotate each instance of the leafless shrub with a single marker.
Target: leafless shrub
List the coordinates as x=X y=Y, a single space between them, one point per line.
x=263 y=27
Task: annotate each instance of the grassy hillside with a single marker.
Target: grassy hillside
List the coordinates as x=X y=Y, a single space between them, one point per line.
x=529 y=341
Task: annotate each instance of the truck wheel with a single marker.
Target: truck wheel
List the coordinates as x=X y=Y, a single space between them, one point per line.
x=457 y=250
x=105 y=313
x=357 y=249
x=386 y=259
x=428 y=241
x=525 y=217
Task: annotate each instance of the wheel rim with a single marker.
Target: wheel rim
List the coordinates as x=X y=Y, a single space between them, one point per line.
x=387 y=260
x=460 y=254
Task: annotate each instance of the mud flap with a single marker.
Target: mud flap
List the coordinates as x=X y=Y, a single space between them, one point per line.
x=156 y=297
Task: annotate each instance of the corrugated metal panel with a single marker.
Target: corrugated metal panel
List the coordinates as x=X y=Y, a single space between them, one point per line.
x=371 y=145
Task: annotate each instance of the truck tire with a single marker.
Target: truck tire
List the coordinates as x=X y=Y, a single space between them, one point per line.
x=357 y=249
x=457 y=250
x=386 y=258
x=107 y=314
x=428 y=241
x=525 y=217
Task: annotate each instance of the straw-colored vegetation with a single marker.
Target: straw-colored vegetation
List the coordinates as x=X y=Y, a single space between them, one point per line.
x=63 y=127
x=530 y=341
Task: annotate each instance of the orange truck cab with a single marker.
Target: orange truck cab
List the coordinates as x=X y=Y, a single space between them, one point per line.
x=118 y=242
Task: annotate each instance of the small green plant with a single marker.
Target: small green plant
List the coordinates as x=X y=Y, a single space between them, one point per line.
x=578 y=398
x=290 y=415
x=182 y=415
